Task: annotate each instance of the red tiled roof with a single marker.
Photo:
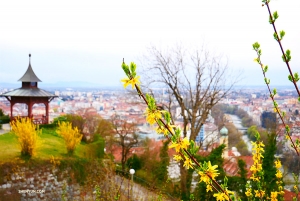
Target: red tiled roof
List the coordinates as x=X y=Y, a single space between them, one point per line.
x=288 y=195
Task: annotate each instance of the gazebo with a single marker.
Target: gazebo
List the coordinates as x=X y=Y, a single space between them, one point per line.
x=30 y=94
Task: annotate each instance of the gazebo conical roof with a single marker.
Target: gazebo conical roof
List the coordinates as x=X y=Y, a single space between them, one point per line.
x=29 y=75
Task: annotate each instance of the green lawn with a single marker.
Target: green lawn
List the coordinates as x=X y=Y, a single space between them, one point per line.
x=51 y=144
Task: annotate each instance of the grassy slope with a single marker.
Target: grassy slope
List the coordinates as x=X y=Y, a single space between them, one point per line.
x=51 y=144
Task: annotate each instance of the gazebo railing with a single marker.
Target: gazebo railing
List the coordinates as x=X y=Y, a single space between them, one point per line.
x=37 y=119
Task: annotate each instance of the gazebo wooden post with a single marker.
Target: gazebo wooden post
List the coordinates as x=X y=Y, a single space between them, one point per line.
x=11 y=109
x=29 y=109
x=47 y=112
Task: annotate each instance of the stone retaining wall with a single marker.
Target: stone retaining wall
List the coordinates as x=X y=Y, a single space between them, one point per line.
x=32 y=184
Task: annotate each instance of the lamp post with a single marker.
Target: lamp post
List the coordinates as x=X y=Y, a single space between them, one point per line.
x=132 y=171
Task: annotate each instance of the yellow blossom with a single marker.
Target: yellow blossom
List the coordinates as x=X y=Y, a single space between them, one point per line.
x=134 y=81
x=274 y=196
x=248 y=192
x=209 y=188
x=255 y=60
x=277 y=164
x=152 y=116
x=175 y=145
x=126 y=82
x=254 y=178
x=185 y=143
x=211 y=170
x=295 y=188
x=276 y=109
x=220 y=196
x=278 y=174
x=162 y=130
x=259 y=193
x=210 y=173
x=188 y=163
x=204 y=177
x=177 y=157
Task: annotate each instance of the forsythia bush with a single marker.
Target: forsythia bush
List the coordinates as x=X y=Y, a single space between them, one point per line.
x=71 y=136
x=27 y=135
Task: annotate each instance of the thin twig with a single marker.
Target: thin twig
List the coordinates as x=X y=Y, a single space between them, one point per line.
x=275 y=105
x=281 y=48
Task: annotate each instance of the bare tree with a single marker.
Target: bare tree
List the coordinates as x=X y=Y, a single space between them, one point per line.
x=195 y=81
x=124 y=135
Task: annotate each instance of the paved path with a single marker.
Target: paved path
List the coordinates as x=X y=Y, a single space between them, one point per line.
x=138 y=192
x=5 y=129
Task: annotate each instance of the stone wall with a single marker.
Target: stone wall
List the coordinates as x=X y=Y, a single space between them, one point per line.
x=38 y=183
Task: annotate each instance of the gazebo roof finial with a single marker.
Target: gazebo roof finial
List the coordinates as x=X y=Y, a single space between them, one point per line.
x=29 y=75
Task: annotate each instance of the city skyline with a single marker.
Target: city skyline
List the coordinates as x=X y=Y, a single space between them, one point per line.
x=74 y=41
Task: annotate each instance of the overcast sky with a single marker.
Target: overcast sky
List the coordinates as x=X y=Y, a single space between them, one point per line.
x=74 y=40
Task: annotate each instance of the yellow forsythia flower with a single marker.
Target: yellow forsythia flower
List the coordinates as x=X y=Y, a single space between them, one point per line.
x=259 y=193
x=248 y=192
x=134 y=81
x=277 y=164
x=209 y=173
x=274 y=196
x=185 y=143
x=177 y=146
x=220 y=196
x=188 y=163
x=152 y=116
x=71 y=135
x=177 y=157
x=278 y=174
x=28 y=136
x=209 y=188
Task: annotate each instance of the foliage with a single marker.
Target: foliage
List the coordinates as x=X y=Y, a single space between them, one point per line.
x=134 y=162
x=48 y=126
x=233 y=109
x=104 y=128
x=87 y=124
x=203 y=192
x=28 y=136
x=95 y=149
x=161 y=171
x=3 y=118
x=268 y=119
x=71 y=135
x=78 y=167
x=265 y=181
x=59 y=119
x=268 y=163
x=90 y=127
x=77 y=121
x=125 y=135
x=235 y=139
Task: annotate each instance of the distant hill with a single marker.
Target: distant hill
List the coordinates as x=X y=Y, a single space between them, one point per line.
x=61 y=85
x=69 y=84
